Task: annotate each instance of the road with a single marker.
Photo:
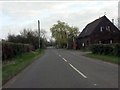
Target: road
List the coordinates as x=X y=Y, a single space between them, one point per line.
x=59 y=68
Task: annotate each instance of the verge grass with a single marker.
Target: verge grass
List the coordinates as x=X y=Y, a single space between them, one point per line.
x=107 y=58
x=17 y=64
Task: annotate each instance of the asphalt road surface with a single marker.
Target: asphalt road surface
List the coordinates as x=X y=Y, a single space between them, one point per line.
x=59 y=68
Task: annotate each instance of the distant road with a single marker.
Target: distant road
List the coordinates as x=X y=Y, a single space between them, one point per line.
x=60 y=68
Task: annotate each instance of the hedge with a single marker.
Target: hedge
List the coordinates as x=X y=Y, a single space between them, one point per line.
x=117 y=50
x=106 y=49
x=10 y=50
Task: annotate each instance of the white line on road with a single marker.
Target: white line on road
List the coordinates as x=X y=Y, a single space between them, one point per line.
x=94 y=84
x=73 y=67
x=59 y=55
x=64 y=59
x=77 y=71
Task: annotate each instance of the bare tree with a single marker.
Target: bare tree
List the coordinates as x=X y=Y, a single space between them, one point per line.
x=43 y=33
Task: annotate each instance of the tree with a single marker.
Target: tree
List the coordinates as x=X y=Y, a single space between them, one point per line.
x=62 y=32
x=59 y=33
x=11 y=38
x=27 y=36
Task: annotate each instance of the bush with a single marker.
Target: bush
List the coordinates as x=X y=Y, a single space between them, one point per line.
x=97 y=49
x=10 y=50
x=106 y=49
x=117 y=50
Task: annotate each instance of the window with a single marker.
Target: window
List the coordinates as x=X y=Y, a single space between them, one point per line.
x=83 y=44
x=99 y=42
x=101 y=29
x=111 y=41
x=108 y=28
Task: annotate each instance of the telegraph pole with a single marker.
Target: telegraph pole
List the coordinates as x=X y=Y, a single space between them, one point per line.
x=39 y=33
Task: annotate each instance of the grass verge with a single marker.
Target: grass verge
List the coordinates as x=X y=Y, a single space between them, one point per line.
x=18 y=64
x=107 y=58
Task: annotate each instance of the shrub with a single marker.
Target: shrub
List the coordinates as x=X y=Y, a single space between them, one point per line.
x=117 y=50
x=10 y=50
x=97 y=49
x=106 y=49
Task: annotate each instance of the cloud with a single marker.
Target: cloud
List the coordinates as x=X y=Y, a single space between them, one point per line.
x=18 y=15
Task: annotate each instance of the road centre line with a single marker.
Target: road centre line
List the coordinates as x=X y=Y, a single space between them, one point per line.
x=64 y=59
x=95 y=84
x=59 y=55
x=74 y=67
x=78 y=71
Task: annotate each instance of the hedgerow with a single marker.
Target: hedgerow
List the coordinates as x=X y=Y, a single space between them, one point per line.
x=117 y=50
x=10 y=50
x=106 y=49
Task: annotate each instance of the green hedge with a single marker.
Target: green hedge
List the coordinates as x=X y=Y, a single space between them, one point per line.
x=106 y=49
x=117 y=50
x=10 y=50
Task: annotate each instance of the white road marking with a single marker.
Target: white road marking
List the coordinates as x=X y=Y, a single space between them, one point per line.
x=94 y=84
x=77 y=71
x=74 y=67
x=64 y=59
x=59 y=55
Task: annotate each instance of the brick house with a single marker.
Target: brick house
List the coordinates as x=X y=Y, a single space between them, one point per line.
x=101 y=30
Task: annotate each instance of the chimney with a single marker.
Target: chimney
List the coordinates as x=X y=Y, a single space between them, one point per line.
x=113 y=21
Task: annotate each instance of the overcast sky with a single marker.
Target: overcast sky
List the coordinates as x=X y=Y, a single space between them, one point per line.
x=15 y=16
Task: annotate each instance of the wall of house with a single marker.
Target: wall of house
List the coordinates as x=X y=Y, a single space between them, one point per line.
x=106 y=35
x=84 y=42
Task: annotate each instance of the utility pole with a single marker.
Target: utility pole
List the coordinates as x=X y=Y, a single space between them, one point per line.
x=39 y=33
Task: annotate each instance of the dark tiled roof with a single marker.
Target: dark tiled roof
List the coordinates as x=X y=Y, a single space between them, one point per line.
x=91 y=27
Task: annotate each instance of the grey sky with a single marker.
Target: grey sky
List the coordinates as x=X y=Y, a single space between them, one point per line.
x=15 y=16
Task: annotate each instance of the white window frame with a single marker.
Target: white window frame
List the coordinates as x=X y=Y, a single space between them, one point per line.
x=100 y=42
x=111 y=41
x=108 y=28
x=101 y=29
x=83 y=44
